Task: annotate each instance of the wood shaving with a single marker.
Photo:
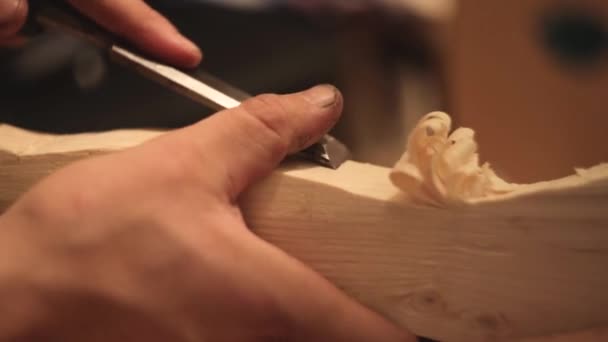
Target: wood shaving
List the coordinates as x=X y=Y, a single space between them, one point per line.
x=439 y=168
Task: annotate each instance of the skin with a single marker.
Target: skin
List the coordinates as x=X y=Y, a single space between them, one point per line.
x=134 y=20
x=149 y=243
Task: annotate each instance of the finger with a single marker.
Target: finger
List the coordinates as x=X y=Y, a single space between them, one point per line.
x=314 y=308
x=321 y=312
x=245 y=143
x=144 y=27
x=13 y=14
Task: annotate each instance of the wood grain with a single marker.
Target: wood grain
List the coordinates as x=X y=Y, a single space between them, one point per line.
x=527 y=264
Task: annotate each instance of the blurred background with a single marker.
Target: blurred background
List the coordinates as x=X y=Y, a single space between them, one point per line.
x=531 y=77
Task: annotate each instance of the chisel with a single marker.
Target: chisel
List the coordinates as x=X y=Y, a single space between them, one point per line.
x=196 y=84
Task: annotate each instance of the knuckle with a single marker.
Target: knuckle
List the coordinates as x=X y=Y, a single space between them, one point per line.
x=263 y=105
x=179 y=163
x=273 y=118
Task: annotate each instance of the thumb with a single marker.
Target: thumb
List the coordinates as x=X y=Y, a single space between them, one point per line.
x=246 y=142
x=13 y=14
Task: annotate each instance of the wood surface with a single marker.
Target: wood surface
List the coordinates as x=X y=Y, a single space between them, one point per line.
x=530 y=263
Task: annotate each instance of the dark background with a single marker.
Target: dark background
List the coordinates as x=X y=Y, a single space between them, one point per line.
x=59 y=84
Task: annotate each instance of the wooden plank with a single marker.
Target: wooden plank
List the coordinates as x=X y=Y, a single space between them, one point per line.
x=528 y=263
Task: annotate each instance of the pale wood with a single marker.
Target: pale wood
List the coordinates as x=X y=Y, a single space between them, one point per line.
x=26 y=157
x=529 y=263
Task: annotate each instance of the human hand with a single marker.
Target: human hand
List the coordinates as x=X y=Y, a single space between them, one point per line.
x=149 y=244
x=345 y=6
x=133 y=20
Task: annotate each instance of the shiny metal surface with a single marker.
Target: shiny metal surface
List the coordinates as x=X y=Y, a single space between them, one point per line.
x=197 y=85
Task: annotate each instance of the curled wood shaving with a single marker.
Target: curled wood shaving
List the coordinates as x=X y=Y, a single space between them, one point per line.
x=440 y=168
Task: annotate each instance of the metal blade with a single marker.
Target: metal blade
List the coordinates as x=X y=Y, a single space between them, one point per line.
x=216 y=94
x=196 y=85
x=176 y=80
x=329 y=152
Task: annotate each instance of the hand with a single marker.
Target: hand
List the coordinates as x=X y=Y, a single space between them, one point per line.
x=149 y=244
x=133 y=20
x=338 y=5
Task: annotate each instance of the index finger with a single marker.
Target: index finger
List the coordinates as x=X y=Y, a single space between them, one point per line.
x=13 y=14
x=143 y=26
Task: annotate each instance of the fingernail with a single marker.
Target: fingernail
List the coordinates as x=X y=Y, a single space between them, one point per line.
x=323 y=95
x=8 y=9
